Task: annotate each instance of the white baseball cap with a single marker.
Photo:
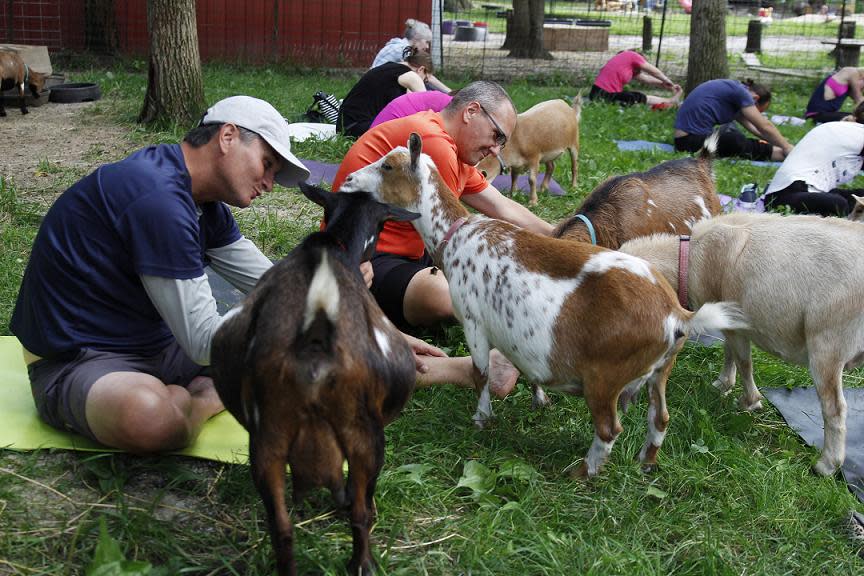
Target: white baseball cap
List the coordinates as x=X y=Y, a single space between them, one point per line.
x=260 y=117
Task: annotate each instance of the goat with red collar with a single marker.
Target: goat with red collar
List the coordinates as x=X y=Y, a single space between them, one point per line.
x=570 y=316
x=798 y=279
x=14 y=72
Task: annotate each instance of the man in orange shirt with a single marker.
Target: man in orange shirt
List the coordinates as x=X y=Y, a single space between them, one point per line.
x=475 y=124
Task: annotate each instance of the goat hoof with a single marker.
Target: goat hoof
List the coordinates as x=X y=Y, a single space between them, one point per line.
x=723 y=386
x=750 y=406
x=361 y=568
x=649 y=467
x=580 y=473
x=823 y=468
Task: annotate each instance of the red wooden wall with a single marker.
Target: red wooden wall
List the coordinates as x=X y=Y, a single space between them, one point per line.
x=306 y=32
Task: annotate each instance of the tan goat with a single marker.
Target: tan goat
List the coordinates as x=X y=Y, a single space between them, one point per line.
x=798 y=280
x=542 y=134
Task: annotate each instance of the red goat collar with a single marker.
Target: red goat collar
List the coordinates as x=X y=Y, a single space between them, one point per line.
x=683 y=263
x=436 y=256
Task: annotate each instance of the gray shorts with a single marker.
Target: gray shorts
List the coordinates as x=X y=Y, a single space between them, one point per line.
x=60 y=387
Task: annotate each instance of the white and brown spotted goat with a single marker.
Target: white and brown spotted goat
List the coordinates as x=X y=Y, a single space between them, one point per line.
x=569 y=315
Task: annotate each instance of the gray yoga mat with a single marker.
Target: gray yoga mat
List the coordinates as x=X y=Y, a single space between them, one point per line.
x=800 y=408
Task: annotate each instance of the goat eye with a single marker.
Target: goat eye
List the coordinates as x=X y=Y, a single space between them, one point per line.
x=386 y=166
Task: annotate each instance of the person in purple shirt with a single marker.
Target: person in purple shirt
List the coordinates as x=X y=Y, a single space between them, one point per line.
x=720 y=103
x=411 y=103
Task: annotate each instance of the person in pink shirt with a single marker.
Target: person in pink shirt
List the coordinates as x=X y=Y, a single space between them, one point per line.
x=625 y=66
x=411 y=103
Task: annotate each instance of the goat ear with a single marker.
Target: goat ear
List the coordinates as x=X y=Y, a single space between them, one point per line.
x=316 y=194
x=401 y=215
x=415 y=146
x=859 y=200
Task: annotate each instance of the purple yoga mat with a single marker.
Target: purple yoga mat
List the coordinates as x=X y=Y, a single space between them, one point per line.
x=502 y=183
x=321 y=172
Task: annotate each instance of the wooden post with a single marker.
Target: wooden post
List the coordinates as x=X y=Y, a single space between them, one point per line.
x=754 y=36
x=647 y=34
x=848 y=56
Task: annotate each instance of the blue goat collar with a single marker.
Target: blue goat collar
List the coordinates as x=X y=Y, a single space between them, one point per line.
x=590 y=226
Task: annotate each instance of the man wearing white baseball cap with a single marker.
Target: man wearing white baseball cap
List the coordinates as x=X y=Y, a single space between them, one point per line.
x=115 y=312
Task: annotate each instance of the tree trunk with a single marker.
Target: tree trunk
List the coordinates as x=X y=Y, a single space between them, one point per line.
x=175 y=90
x=707 y=59
x=527 y=30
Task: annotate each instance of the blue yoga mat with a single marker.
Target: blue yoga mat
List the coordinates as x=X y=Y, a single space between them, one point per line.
x=800 y=408
x=637 y=145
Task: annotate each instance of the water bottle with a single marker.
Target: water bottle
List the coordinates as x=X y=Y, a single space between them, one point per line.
x=746 y=201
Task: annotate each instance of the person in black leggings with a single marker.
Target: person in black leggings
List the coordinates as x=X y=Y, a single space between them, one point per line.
x=809 y=180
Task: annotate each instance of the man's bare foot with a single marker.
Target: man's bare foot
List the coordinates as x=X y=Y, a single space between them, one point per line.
x=502 y=374
x=202 y=390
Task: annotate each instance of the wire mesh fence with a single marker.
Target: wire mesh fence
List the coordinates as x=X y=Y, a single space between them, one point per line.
x=787 y=39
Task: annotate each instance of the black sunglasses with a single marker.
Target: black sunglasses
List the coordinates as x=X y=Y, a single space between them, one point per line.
x=500 y=136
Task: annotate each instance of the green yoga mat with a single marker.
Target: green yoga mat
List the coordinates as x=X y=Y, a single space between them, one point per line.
x=222 y=438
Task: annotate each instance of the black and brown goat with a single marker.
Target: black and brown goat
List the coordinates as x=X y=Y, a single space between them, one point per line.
x=14 y=72
x=312 y=368
x=670 y=197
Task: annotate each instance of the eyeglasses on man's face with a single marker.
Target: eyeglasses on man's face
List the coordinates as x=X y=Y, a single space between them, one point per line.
x=500 y=136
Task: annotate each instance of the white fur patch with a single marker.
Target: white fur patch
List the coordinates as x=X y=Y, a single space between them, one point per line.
x=382 y=341
x=369 y=241
x=654 y=437
x=597 y=455
x=323 y=294
x=652 y=203
x=602 y=262
x=700 y=202
x=516 y=309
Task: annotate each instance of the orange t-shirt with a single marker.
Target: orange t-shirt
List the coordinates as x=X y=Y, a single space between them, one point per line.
x=401 y=238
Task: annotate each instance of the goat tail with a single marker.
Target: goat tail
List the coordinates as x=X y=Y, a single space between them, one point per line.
x=715 y=317
x=315 y=343
x=577 y=105
x=709 y=148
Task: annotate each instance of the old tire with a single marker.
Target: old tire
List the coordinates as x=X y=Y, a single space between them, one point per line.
x=76 y=92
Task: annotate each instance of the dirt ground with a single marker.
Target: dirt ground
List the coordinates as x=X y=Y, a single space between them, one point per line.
x=55 y=144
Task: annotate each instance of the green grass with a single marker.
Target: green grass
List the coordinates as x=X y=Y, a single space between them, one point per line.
x=733 y=495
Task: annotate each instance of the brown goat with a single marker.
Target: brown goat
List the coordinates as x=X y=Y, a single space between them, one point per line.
x=670 y=197
x=542 y=134
x=14 y=72
x=312 y=368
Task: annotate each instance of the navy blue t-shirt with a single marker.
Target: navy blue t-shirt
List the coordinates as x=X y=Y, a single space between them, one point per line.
x=711 y=104
x=82 y=286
